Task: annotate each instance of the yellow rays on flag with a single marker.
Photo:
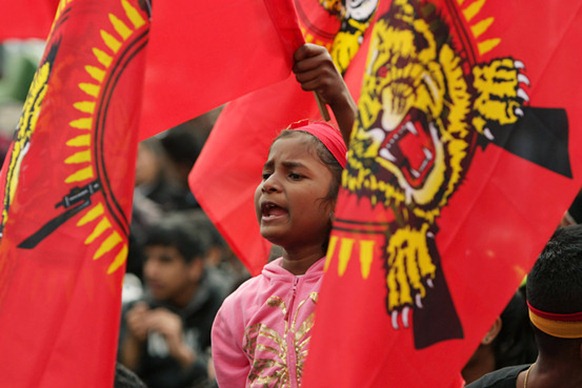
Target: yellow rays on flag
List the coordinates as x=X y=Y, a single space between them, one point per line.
x=478 y=25
x=346 y=249
x=82 y=158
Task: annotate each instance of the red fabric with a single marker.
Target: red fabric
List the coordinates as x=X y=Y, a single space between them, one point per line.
x=60 y=289
x=487 y=235
x=562 y=317
x=22 y=19
x=329 y=135
x=200 y=57
x=229 y=167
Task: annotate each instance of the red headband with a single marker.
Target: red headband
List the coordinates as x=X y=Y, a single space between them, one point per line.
x=330 y=136
x=563 y=317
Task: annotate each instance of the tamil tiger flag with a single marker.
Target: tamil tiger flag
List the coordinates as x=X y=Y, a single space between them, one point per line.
x=67 y=184
x=67 y=199
x=464 y=156
x=222 y=182
x=22 y=19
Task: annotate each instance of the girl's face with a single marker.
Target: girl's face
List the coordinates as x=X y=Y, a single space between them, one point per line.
x=289 y=201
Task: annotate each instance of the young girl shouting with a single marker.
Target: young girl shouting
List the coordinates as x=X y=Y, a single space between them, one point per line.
x=261 y=334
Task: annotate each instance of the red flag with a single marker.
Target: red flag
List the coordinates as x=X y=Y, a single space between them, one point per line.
x=26 y=18
x=202 y=55
x=223 y=182
x=464 y=157
x=67 y=199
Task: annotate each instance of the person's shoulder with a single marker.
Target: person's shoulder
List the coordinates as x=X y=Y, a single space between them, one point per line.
x=501 y=378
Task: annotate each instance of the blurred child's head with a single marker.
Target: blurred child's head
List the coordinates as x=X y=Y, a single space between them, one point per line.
x=150 y=162
x=301 y=179
x=174 y=261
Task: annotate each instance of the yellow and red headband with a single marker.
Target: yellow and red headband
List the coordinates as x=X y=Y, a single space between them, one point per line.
x=555 y=324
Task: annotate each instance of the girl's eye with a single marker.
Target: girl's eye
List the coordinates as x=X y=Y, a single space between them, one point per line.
x=266 y=175
x=294 y=176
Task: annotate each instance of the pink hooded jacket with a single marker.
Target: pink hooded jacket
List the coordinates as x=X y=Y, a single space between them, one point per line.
x=261 y=333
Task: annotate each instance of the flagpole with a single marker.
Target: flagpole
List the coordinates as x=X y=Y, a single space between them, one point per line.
x=322 y=108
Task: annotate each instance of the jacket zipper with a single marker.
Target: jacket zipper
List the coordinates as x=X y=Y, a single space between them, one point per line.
x=291 y=351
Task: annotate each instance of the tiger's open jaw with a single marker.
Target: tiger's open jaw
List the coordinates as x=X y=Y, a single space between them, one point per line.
x=410 y=146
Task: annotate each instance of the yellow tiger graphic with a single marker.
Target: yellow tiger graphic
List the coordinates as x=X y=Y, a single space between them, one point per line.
x=421 y=110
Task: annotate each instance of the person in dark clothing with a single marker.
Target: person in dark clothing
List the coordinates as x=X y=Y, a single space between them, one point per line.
x=154 y=196
x=554 y=295
x=182 y=148
x=152 y=176
x=165 y=337
x=508 y=342
x=124 y=378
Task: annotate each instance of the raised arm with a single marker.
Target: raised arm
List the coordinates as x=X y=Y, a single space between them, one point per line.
x=315 y=71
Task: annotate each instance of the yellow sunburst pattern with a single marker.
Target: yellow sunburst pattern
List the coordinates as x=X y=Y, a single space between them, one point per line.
x=104 y=233
x=479 y=25
x=345 y=248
